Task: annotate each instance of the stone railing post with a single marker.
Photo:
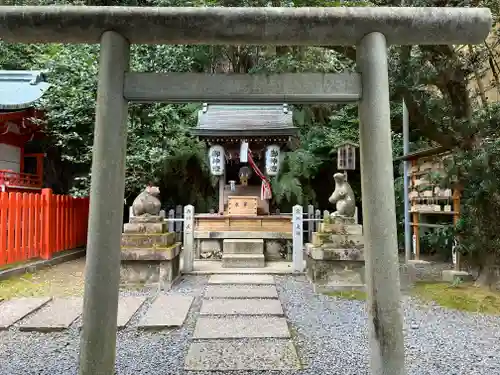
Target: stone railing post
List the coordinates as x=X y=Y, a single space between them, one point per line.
x=297 y=235
x=188 y=245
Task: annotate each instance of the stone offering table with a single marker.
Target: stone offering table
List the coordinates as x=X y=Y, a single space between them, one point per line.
x=335 y=258
x=149 y=254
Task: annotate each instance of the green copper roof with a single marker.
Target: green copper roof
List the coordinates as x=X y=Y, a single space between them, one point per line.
x=19 y=89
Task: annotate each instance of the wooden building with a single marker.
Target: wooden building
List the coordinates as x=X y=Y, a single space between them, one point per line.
x=246 y=149
x=226 y=127
x=21 y=166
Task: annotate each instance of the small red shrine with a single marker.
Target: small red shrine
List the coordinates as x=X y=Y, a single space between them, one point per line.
x=21 y=168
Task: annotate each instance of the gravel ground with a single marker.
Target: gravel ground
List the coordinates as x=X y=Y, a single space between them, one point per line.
x=330 y=334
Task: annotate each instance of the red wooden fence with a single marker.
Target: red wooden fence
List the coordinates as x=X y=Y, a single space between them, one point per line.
x=39 y=225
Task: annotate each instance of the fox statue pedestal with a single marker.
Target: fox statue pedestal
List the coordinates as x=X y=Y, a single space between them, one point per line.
x=149 y=254
x=335 y=258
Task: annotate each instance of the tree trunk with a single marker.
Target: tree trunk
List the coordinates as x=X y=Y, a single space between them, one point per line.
x=489 y=273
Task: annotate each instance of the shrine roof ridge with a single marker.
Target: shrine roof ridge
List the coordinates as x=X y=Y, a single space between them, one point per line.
x=264 y=25
x=245 y=120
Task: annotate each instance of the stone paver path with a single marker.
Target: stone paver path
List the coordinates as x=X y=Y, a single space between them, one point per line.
x=241 y=324
x=241 y=327
x=46 y=314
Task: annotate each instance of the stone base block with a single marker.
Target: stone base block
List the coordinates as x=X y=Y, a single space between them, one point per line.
x=339 y=272
x=452 y=276
x=328 y=288
x=148 y=240
x=407 y=276
x=339 y=241
x=209 y=249
x=243 y=246
x=146 y=219
x=243 y=261
x=342 y=275
x=150 y=267
x=331 y=253
x=145 y=228
x=277 y=250
x=341 y=228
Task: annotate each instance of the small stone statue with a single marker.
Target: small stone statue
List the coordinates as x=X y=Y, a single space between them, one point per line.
x=343 y=198
x=147 y=202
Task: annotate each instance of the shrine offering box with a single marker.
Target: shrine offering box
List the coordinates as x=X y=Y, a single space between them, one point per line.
x=242 y=206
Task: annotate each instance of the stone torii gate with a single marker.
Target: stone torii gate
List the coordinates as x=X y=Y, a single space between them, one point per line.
x=115 y=28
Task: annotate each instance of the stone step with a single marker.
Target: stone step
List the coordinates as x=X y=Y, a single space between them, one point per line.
x=241 y=279
x=241 y=327
x=245 y=306
x=241 y=291
x=254 y=354
x=243 y=246
x=243 y=261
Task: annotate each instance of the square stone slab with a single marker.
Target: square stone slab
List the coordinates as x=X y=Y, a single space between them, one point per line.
x=59 y=315
x=242 y=279
x=127 y=307
x=241 y=291
x=220 y=355
x=16 y=309
x=241 y=307
x=166 y=311
x=240 y=327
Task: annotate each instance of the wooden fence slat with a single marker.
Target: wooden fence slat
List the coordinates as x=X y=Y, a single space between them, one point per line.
x=11 y=226
x=73 y=223
x=178 y=224
x=62 y=246
x=30 y=209
x=18 y=228
x=59 y=217
x=37 y=221
x=4 y=207
x=25 y=234
x=48 y=223
x=317 y=216
x=310 y=222
x=171 y=215
x=66 y=227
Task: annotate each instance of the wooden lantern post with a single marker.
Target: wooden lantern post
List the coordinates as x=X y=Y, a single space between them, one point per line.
x=346 y=157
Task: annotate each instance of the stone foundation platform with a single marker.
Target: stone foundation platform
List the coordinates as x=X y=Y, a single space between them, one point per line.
x=210 y=245
x=149 y=255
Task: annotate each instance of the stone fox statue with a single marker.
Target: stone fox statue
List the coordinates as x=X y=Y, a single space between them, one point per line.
x=342 y=197
x=147 y=202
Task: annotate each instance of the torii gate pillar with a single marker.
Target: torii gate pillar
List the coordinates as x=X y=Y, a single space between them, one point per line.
x=385 y=322
x=107 y=188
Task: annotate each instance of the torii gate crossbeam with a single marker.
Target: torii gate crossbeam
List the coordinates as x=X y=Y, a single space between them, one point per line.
x=370 y=29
